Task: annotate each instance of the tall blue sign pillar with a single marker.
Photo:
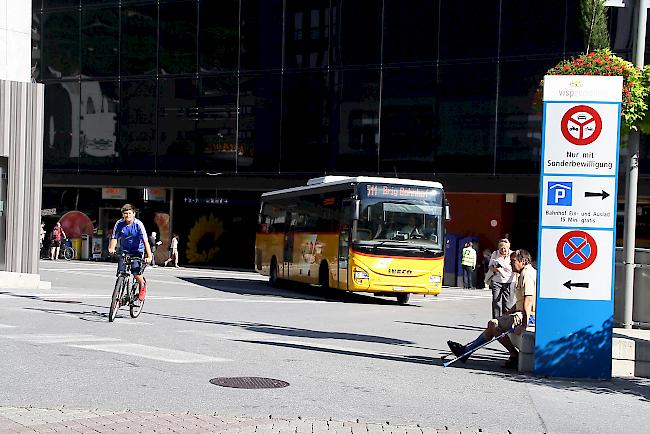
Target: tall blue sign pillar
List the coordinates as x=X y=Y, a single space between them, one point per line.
x=577 y=226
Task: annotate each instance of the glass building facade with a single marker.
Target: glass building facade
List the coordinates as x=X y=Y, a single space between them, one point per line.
x=257 y=89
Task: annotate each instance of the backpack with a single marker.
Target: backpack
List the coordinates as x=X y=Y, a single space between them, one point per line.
x=55 y=235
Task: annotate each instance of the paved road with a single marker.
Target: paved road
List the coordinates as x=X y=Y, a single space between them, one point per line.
x=347 y=358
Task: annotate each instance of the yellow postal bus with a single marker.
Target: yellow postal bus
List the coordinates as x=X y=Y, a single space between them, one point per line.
x=360 y=234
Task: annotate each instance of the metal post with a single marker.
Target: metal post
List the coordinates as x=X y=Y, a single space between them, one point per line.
x=632 y=178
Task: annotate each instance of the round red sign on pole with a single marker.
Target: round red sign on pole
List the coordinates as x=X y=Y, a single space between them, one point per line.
x=581 y=125
x=576 y=250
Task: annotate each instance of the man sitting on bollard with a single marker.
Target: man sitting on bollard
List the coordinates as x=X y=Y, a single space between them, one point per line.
x=515 y=321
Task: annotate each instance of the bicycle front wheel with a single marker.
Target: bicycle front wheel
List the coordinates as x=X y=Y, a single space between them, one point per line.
x=68 y=253
x=120 y=284
x=136 y=304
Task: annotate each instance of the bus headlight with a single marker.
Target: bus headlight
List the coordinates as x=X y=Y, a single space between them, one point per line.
x=434 y=279
x=360 y=274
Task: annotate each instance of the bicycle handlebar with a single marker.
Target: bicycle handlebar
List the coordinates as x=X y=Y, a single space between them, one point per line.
x=128 y=257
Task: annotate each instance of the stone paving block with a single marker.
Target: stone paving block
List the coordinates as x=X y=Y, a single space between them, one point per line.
x=303 y=427
x=334 y=424
x=374 y=428
x=320 y=426
x=413 y=429
x=356 y=427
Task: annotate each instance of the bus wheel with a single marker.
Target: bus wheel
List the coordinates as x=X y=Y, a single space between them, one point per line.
x=403 y=298
x=273 y=272
x=324 y=276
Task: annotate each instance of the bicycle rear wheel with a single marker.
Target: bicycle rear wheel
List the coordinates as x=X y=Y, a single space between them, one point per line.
x=135 y=307
x=68 y=253
x=120 y=285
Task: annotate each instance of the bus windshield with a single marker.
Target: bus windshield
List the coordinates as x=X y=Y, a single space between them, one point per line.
x=401 y=219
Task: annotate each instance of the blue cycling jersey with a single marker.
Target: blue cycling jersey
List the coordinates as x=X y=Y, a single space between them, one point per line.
x=131 y=236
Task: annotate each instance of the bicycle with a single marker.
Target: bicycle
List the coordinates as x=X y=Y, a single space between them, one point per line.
x=67 y=251
x=127 y=289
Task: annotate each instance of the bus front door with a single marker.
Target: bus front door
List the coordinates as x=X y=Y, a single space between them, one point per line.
x=344 y=251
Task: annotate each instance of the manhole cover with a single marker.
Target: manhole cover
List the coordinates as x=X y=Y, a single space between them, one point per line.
x=249 y=382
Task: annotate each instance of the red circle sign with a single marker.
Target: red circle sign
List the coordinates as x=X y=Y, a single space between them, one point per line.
x=576 y=250
x=581 y=125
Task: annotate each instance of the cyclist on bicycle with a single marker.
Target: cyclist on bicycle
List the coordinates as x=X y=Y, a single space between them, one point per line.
x=133 y=241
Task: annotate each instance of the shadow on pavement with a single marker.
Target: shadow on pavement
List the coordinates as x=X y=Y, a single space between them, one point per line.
x=443 y=326
x=289 y=290
x=638 y=387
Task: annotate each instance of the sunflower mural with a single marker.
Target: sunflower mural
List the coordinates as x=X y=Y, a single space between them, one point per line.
x=202 y=240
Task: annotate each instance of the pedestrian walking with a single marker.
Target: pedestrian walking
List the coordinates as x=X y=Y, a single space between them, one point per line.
x=502 y=291
x=173 y=251
x=153 y=244
x=468 y=261
x=41 y=236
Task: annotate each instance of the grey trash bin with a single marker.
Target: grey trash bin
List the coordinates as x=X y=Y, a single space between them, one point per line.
x=85 y=247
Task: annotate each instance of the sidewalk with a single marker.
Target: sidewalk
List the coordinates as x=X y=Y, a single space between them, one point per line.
x=38 y=420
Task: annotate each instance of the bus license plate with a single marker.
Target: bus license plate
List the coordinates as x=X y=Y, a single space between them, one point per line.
x=398 y=288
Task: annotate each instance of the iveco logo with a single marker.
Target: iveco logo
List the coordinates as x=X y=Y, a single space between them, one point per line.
x=396 y=271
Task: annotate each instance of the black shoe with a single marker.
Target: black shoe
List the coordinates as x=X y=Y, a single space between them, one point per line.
x=458 y=350
x=512 y=362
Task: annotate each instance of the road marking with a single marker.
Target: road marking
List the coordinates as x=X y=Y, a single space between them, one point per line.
x=6 y=326
x=58 y=339
x=154 y=353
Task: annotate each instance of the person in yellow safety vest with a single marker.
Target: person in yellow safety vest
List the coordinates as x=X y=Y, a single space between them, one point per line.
x=468 y=262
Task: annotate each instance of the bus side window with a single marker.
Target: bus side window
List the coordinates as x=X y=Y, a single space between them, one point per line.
x=344 y=244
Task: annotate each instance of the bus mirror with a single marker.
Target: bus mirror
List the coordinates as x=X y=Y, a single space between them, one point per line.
x=447 y=211
x=356 y=206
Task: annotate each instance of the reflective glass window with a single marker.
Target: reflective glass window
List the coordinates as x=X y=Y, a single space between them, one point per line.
x=467 y=114
x=102 y=2
x=354 y=122
x=218 y=35
x=305 y=117
x=259 y=122
x=307 y=33
x=177 y=120
x=216 y=126
x=574 y=41
x=409 y=36
x=36 y=46
x=532 y=27
x=139 y=36
x=356 y=32
x=469 y=29
x=178 y=23
x=61 y=44
x=61 y=128
x=137 y=132
x=519 y=126
x=99 y=110
x=99 y=42
x=37 y=5
x=59 y=3
x=408 y=114
x=261 y=34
